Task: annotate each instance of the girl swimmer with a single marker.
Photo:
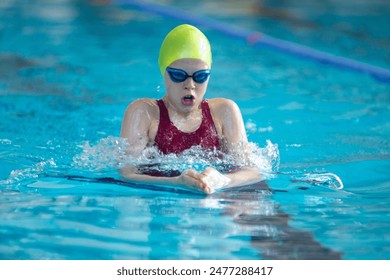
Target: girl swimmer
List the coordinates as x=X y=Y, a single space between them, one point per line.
x=183 y=118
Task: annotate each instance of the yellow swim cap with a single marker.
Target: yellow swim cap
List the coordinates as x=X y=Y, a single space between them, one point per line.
x=184 y=41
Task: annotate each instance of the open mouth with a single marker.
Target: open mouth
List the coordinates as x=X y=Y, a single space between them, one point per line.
x=188 y=100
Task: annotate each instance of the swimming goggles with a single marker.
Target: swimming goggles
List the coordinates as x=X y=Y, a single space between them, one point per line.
x=179 y=76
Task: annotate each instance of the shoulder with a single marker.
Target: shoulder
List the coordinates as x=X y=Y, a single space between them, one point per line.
x=227 y=117
x=223 y=107
x=143 y=103
x=143 y=106
x=139 y=117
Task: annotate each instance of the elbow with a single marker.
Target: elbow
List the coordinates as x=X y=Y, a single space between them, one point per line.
x=255 y=173
x=127 y=172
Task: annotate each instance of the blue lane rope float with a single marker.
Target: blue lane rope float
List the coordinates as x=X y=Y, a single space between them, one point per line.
x=258 y=39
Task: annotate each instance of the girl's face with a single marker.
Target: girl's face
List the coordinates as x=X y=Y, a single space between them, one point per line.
x=187 y=95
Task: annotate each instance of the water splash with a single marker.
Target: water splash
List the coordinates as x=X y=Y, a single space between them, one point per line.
x=20 y=176
x=320 y=179
x=108 y=153
x=113 y=153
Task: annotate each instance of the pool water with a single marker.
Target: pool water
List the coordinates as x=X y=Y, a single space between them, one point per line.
x=69 y=69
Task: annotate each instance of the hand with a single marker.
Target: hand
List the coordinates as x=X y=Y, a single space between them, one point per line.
x=208 y=181
x=193 y=179
x=213 y=179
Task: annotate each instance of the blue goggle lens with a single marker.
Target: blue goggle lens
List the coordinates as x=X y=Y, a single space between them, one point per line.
x=179 y=76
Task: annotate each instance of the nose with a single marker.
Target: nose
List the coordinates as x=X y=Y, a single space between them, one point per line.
x=189 y=84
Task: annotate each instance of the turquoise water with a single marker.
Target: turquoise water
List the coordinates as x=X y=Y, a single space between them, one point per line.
x=69 y=69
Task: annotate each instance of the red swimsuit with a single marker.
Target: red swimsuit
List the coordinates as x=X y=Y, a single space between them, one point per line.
x=169 y=139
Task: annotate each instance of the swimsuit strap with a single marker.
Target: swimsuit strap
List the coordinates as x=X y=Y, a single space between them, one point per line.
x=164 y=116
x=207 y=119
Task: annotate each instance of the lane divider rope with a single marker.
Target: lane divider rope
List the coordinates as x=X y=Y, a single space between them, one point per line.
x=258 y=39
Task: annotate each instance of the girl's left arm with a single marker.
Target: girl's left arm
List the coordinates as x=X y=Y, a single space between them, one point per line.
x=229 y=116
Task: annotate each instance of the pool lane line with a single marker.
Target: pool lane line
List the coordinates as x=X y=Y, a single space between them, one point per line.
x=258 y=39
